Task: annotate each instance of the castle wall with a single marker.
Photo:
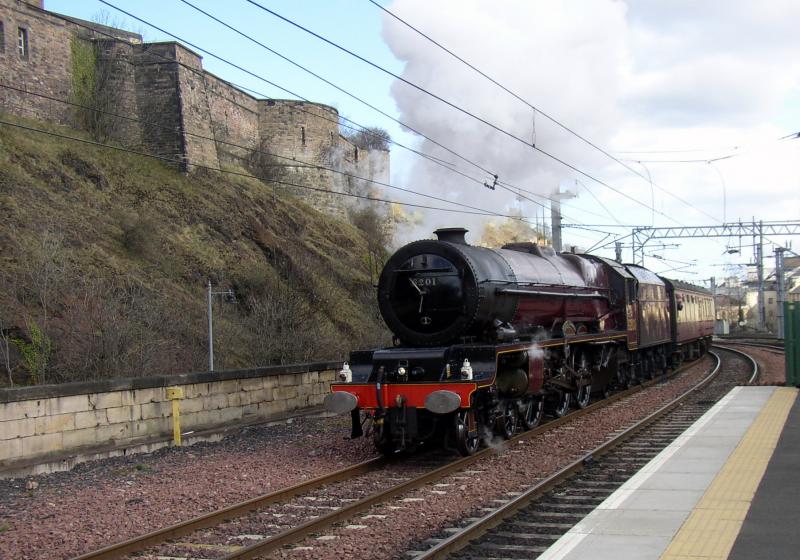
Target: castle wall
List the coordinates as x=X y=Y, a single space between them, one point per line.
x=115 y=68
x=176 y=109
x=215 y=109
x=45 y=68
x=158 y=99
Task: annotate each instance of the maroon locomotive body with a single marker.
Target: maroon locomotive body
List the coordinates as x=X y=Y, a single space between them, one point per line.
x=494 y=338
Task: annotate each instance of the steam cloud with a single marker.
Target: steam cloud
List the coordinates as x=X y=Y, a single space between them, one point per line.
x=521 y=57
x=626 y=75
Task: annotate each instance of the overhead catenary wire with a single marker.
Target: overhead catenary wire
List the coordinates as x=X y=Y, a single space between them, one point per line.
x=461 y=110
x=535 y=108
x=364 y=102
x=178 y=161
x=238 y=67
x=296 y=162
x=735 y=152
x=587 y=189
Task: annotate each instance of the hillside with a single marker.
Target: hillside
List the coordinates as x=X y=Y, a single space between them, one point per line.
x=105 y=256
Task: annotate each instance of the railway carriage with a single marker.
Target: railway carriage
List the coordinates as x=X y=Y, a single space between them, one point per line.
x=488 y=340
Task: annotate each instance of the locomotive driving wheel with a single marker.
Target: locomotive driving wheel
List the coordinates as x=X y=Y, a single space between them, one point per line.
x=582 y=368
x=583 y=395
x=467 y=440
x=505 y=423
x=563 y=402
x=625 y=377
x=532 y=412
x=381 y=437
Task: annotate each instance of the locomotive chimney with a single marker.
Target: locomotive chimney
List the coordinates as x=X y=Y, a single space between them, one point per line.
x=452 y=235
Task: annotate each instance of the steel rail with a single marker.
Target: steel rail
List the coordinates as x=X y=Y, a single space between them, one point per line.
x=773 y=348
x=210 y=519
x=461 y=539
x=746 y=356
x=296 y=534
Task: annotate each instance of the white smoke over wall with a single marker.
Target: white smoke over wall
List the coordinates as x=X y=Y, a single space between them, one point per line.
x=514 y=43
x=627 y=75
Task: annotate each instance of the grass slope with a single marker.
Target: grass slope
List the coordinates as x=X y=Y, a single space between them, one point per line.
x=84 y=227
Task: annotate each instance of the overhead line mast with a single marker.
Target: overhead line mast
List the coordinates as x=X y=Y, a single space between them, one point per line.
x=755 y=229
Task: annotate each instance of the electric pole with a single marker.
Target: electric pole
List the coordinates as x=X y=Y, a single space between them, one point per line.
x=555 y=215
x=758 y=241
x=781 y=288
x=229 y=297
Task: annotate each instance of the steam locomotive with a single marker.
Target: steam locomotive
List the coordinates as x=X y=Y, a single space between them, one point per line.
x=487 y=341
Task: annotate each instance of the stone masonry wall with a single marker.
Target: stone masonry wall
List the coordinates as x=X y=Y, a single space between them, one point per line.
x=158 y=100
x=45 y=68
x=176 y=109
x=116 y=71
x=213 y=108
x=49 y=423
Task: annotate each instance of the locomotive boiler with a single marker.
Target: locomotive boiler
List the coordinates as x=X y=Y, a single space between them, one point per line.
x=487 y=340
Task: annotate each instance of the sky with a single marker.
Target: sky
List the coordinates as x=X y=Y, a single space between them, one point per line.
x=663 y=88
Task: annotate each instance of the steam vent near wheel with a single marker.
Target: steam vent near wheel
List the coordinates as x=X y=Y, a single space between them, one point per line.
x=156 y=98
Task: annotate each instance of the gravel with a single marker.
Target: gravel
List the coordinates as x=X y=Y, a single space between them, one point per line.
x=771 y=366
x=392 y=528
x=64 y=514
x=61 y=515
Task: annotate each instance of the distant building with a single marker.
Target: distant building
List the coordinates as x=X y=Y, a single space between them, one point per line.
x=791 y=275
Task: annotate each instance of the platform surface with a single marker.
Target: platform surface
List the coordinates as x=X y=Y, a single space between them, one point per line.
x=728 y=487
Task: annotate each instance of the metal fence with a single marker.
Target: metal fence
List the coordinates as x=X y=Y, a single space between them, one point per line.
x=791 y=321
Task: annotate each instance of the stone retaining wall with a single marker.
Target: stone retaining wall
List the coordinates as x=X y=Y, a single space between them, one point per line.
x=48 y=423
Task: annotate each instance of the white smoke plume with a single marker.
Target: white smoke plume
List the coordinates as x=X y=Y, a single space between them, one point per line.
x=626 y=75
x=513 y=42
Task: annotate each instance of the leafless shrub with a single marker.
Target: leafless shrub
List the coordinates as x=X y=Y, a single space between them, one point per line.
x=284 y=328
x=6 y=348
x=139 y=232
x=377 y=231
x=368 y=138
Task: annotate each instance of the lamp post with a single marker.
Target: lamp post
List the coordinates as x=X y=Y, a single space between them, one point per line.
x=231 y=298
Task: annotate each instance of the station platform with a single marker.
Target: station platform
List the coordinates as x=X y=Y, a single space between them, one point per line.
x=728 y=487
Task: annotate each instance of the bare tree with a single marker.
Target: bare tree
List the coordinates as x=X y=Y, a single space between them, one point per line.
x=5 y=351
x=43 y=267
x=369 y=138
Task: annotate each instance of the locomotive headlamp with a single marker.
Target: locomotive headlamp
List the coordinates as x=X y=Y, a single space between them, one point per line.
x=401 y=372
x=466 y=370
x=346 y=373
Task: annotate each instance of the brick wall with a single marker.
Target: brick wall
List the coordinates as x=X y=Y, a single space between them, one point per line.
x=63 y=423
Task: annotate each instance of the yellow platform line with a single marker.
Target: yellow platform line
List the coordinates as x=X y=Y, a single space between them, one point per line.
x=711 y=529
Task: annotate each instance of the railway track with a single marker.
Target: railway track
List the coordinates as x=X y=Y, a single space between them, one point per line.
x=774 y=348
x=527 y=525
x=262 y=525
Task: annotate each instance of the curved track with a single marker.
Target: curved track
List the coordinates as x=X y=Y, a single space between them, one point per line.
x=288 y=516
x=526 y=526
